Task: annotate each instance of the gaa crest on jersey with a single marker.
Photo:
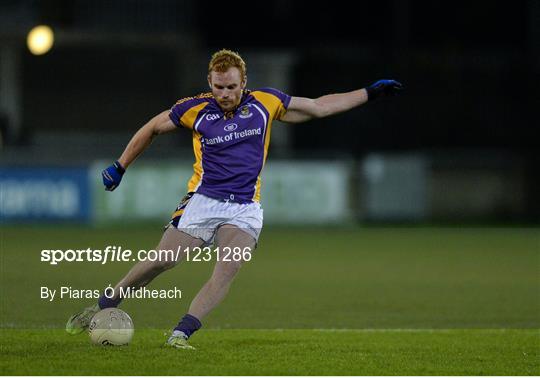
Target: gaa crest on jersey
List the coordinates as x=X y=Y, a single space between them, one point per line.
x=245 y=112
x=212 y=117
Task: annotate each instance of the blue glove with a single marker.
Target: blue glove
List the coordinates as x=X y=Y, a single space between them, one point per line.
x=112 y=176
x=383 y=88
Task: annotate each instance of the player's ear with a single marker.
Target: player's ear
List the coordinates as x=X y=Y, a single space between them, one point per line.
x=244 y=82
x=209 y=81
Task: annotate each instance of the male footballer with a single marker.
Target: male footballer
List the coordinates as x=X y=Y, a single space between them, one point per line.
x=231 y=128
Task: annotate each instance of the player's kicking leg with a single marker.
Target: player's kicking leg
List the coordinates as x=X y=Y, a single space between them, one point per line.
x=215 y=289
x=140 y=275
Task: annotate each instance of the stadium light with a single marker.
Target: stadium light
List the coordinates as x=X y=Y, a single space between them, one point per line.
x=40 y=39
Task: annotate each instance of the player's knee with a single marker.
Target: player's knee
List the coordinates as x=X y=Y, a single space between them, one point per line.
x=226 y=271
x=233 y=266
x=162 y=265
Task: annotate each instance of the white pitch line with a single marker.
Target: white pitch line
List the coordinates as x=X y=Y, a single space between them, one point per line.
x=13 y=326
x=378 y=330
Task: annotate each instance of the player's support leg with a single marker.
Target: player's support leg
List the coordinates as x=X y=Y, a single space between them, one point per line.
x=216 y=288
x=140 y=275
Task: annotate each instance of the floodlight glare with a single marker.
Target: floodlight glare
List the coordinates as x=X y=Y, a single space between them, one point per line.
x=40 y=39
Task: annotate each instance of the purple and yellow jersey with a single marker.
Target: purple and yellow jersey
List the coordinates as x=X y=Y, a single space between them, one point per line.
x=230 y=149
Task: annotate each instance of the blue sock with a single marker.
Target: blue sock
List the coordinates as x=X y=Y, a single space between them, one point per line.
x=188 y=325
x=105 y=302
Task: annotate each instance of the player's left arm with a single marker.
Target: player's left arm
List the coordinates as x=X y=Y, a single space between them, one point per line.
x=303 y=109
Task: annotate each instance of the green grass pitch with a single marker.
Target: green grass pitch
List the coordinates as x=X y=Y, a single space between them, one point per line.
x=337 y=301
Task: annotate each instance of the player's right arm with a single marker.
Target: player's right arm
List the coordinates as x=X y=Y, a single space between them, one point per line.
x=158 y=125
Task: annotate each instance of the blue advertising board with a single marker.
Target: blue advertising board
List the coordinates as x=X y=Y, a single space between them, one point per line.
x=36 y=194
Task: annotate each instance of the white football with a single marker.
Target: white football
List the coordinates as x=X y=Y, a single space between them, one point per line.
x=111 y=326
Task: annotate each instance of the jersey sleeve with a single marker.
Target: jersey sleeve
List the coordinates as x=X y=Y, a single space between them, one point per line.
x=185 y=111
x=275 y=101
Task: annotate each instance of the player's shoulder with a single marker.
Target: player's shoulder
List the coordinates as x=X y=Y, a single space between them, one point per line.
x=272 y=95
x=188 y=102
x=269 y=90
x=186 y=109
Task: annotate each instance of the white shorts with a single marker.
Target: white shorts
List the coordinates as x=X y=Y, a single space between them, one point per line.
x=203 y=215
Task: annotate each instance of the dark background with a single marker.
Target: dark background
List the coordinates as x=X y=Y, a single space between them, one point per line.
x=470 y=68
